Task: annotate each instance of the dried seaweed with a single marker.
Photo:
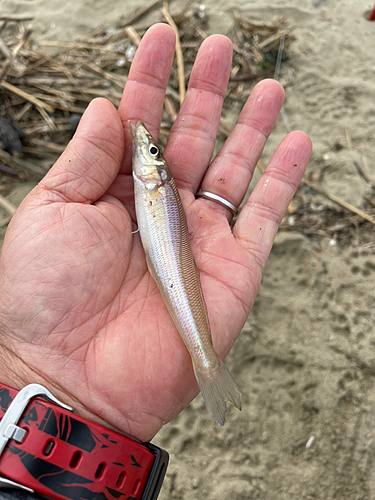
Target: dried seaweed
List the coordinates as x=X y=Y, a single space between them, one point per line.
x=46 y=86
x=45 y=83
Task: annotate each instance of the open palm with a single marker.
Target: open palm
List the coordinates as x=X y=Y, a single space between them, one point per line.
x=79 y=311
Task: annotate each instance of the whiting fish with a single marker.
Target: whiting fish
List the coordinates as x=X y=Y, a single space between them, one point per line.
x=165 y=239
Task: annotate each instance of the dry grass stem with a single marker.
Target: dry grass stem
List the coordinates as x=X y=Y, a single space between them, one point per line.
x=7 y=205
x=27 y=96
x=225 y=128
x=4 y=49
x=138 y=15
x=13 y=54
x=79 y=46
x=339 y=201
x=170 y=108
x=261 y=166
x=370 y=200
x=348 y=138
x=279 y=57
x=47 y=86
x=133 y=35
x=21 y=165
x=179 y=55
x=17 y=19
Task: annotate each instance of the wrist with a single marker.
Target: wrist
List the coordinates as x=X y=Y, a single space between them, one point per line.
x=16 y=373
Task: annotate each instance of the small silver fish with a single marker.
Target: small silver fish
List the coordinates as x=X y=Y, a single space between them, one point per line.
x=165 y=239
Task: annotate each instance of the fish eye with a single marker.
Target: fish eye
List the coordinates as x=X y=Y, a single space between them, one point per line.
x=154 y=151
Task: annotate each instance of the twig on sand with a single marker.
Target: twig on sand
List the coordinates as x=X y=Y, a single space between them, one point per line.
x=180 y=59
x=7 y=205
x=339 y=201
x=45 y=89
x=41 y=106
x=17 y=19
x=133 y=35
x=370 y=200
x=279 y=57
x=276 y=77
x=18 y=164
x=136 y=17
x=170 y=108
x=271 y=39
x=77 y=45
x=359 y=169
x=286 y=120
x=127 y=22
x=5 y=221
x=261 y=166
x=14 y=53
x=224 y=128
x=331 y=197
x=364 y=175
x=27 y=96
x=348 y=138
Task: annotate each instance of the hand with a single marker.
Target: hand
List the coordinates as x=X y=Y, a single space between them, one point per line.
x=79 y=311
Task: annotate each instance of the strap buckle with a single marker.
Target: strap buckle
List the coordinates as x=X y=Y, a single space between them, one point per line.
x=8 y=424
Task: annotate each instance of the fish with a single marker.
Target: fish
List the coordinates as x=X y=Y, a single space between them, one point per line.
x=164 y=234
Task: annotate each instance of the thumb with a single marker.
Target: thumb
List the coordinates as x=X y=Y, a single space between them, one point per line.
x=92 y=159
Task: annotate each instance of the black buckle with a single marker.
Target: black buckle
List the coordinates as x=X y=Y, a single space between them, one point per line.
x=157 y=473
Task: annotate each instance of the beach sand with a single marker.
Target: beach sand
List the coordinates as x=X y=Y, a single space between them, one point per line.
x=305 y=359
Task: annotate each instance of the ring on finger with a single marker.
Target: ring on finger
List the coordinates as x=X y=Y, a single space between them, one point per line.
x=214 y=197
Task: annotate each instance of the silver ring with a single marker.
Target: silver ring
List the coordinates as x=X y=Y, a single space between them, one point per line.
x=218 y=199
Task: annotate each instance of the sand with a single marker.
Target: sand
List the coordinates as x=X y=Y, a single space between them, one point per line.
x=305 y=358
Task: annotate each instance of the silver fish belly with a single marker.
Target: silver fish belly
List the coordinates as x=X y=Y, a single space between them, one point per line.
x=165 y=239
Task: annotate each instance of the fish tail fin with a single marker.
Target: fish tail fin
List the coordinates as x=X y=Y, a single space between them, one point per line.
x=216 y=389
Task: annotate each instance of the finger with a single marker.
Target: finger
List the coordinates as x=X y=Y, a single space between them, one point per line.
x=230 y=173
x=259 y=220
x=91 y=160
x=192 y=139
x=143 y=96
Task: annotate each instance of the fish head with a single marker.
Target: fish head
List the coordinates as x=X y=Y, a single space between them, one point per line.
x=149 y=165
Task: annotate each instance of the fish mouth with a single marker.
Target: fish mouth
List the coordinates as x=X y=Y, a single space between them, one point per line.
x=132 y=128
x=133 y=131
x=138 y=132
